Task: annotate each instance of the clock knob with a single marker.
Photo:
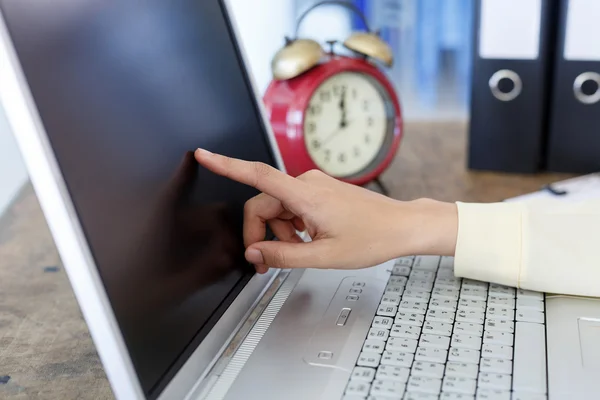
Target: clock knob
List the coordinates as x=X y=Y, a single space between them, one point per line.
x=297 y=57
x=370 y=45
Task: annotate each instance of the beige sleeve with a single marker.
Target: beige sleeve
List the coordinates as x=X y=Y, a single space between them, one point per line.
x=549 y=247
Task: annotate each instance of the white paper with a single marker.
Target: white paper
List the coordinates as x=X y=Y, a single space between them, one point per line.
x=582 y=36
x=510 y=29
x=577 y=189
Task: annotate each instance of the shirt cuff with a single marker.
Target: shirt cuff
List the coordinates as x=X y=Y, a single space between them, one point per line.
x=489 y=242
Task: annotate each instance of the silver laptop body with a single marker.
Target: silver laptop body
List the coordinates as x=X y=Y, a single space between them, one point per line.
x=301 y=334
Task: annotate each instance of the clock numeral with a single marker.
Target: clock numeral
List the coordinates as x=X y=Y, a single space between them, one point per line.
x=314 y=110
x=312 y=127
x=337 y=90
x=327 y=155
x=370 y=121
x=366 y=105
x=316 y=144
x=356 y=152
x=367 y=139
x=325 y=96
x=342 y=157
x=354 y=93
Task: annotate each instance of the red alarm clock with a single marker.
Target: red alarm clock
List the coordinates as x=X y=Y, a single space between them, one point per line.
x=336 y=113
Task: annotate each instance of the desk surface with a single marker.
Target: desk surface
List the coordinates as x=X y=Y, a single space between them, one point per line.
x=45 y=347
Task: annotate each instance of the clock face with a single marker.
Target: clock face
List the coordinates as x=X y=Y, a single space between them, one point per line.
x=346 y=124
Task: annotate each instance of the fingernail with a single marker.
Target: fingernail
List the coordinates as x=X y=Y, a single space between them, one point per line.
x=254 y=256
x=202 y=152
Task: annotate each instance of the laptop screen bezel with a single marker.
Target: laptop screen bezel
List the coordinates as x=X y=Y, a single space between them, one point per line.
x=73 y=248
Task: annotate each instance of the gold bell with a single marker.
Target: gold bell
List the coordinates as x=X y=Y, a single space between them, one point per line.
x=370 y=45
x=297 y=57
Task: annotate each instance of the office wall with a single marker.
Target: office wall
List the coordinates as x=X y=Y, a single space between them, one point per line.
x=12 y=170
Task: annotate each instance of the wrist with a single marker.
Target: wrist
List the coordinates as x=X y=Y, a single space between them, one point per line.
x=429 y=227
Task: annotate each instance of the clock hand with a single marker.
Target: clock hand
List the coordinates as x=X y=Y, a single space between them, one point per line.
x=334 y=134
x=343 y=122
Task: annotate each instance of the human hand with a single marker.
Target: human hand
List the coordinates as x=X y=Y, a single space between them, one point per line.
x=350 y=227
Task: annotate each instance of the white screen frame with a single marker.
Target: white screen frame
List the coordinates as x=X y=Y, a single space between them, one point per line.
x=49 y=185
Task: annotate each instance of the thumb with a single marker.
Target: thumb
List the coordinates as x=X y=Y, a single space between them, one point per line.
x=285 y=255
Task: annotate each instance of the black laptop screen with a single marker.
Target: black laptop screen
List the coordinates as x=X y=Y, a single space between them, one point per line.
x=127 y=90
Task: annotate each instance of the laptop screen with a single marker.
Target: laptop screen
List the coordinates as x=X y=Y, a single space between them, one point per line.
x=127 y=90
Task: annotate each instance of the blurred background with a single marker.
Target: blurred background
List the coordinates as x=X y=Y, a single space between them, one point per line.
x=431 y=40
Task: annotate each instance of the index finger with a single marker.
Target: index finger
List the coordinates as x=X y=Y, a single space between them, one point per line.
x=258 y=175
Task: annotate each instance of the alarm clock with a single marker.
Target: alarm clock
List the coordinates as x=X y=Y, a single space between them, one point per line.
x=333 y=112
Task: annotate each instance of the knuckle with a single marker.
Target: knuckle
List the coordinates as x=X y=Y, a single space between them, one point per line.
x=313 y=174
x=249 y=206
x=261 y=171
x=279 y=258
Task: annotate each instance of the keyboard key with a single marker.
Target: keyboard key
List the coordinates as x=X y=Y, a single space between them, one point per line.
x=363 y=374
x=442 y=304
x=530 y=316
x=496 y=365
x=474 y=284
x=466 y=341
x=489 y=380
x=501 y=291
x=405 y=331
x=359 y=388
x=401 y=270
x=469 y=316
x=422 y=274
x=440 y=316
x=418 y=307
x=500 y=325
x=473 y=293
x=503 y=338
x=506 y=302
x=500 y=313
x=528 y=396
x=444 y=293
x=387 y=311
x=492 y=394
x=368 y=359
x=398 y=280
x=387 y=388
x=435 y=341
x=437 y=328
x=416 y=295
x=427 y=263
x=528 y=294
x=530 y=358
x=394 y=289
x=382 y=322
x=464 y=355
x=468 y=328
x=424 y=384
x=455 y=396
x=379 y=334
x=429 y=354
x=459 y=385
x=449 y=283
x=417 y=396
x=397 y=358
x=389 y=372
x=409 y=318
x=374 y=345
x=353 y=397
x=405 y=261
x=445 y=273
x=447 y=262
x=428 y=369
x=497 y=351
x=402 y=344
x=461 y=370
x=419 y=284
x=390 y=299
x=474 y=305
x=524 y=303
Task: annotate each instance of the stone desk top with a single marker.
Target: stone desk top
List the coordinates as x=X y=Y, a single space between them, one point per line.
x=45 y=348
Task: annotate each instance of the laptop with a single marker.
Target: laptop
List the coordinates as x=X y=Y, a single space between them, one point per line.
x=108 y=99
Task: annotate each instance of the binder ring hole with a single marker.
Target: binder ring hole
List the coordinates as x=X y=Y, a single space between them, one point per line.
x=505 y=85
x=587 y=87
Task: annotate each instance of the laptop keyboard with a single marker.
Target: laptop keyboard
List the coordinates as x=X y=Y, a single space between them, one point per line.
x=436 y=336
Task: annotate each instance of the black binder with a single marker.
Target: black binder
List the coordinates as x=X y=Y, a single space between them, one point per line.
x=511 y=61
x=574 y=139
